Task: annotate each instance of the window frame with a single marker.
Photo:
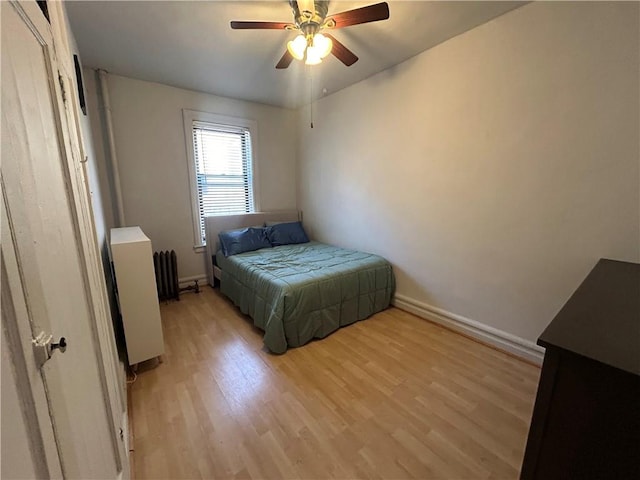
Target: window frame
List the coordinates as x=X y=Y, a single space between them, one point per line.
x=189 y=116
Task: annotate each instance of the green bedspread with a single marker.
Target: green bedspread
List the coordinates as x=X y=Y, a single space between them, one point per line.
x=299 y=292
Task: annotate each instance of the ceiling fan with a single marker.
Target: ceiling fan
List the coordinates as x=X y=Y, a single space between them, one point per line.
x=310 y=19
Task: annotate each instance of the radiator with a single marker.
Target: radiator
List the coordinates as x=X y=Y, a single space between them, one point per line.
x=166 y=266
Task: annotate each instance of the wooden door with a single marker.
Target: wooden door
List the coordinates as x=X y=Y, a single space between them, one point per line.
x=67 y=403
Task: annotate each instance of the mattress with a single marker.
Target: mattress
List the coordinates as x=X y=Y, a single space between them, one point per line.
x=296 y=293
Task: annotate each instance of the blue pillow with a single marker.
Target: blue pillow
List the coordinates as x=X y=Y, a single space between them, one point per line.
x=286 y=234
x=248 y=239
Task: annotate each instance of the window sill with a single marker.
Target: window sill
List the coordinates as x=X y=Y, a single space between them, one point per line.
x=199 y=248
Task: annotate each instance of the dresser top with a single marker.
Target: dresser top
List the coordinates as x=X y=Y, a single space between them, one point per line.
x=127 y=235
x=601 y=320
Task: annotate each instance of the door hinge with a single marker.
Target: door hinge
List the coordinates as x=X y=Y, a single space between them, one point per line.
x=62 y=88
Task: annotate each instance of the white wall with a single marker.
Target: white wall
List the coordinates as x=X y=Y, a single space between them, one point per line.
x=493 y=170
x=152 y=158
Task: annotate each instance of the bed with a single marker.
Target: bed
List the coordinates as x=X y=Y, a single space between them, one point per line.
x=299 y=292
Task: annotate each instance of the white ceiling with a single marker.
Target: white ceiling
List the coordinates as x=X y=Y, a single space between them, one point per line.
x=189 y=44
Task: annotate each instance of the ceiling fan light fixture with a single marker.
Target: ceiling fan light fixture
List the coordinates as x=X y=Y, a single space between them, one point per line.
x=297 y=47
x=322 y=45
x=313 y=57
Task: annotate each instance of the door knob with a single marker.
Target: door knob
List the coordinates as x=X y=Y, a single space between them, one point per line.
x=61 y=345
x=43 y=347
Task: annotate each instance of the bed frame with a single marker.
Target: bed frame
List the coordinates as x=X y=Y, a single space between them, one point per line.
x=219 y=223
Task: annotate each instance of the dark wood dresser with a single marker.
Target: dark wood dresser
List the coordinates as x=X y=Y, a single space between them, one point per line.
x=586 y=419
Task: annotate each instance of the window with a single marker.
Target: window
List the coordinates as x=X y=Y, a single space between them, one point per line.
x=221 y=167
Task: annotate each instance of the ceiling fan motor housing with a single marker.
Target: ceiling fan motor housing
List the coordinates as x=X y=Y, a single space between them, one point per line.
x=309 y=22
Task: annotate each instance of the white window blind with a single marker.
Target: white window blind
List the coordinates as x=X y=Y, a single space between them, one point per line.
x=223 y=165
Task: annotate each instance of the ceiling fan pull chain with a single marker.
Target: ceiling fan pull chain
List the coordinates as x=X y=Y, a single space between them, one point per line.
x=311 y=94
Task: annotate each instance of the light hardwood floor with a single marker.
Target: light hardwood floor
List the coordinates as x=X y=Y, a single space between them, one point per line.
x=393 y=396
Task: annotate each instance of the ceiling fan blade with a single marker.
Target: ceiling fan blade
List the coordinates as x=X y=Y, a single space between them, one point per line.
x=371 y=13
x=285 y=61
x=237 y=25
x=341 y=52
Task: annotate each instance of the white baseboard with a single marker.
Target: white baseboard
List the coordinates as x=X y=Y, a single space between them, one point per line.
x=184 y=281
x=501 y=340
